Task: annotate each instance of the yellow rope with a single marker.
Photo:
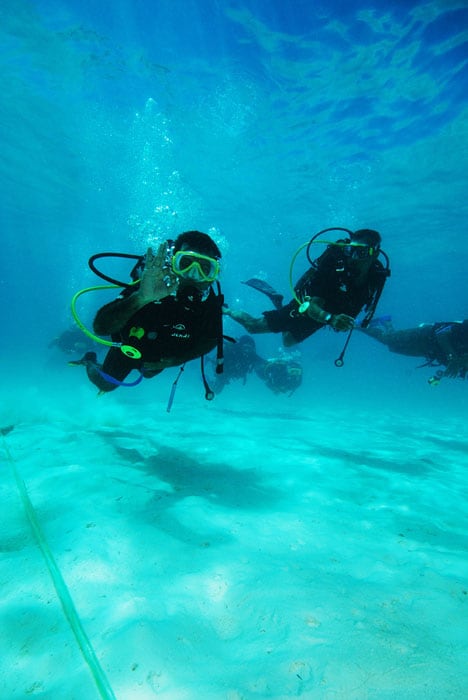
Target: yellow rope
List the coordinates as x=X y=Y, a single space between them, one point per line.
x=63 y=593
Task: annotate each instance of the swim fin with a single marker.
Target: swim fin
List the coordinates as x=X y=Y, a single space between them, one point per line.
x=89 y=358
x=261 y=286
x=383 y=323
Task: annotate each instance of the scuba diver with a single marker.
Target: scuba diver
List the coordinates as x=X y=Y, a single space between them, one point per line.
x=168 y=315
x=281 y=375
x=240 y=360
x=346 y=278
x=444 y=343
x=72 y=341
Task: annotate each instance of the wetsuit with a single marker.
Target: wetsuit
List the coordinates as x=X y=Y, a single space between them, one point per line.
x=436 y=342
x=240 y=360
x=169 y=332
x=333 y=281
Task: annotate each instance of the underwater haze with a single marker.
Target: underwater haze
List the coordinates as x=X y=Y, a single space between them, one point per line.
x=260 y=545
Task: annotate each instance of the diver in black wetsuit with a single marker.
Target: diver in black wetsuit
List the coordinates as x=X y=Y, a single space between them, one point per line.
x=240 y=360
x=443 y=343
x=171 y=315
x=72 y=341
x=344 y=279
x=282 y=375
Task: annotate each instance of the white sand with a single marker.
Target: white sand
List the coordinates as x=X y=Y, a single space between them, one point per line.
x=235 y=550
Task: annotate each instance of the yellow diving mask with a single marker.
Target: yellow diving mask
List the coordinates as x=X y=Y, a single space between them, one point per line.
x=200 y=268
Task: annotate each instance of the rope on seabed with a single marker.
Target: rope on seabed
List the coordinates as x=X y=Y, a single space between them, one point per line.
x=68 y=606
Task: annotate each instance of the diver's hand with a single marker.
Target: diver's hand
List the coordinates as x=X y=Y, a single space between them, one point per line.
x=457 y=366
x=341 y=322
x=238 y=316
x=251 y=324
x=156 y=281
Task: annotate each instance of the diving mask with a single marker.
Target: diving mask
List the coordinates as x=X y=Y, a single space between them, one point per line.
x=196 y=266
x=358 y=251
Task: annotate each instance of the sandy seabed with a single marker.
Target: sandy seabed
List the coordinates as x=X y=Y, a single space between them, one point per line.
x=234 y=551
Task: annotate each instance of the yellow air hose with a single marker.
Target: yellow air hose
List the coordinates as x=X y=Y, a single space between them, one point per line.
x=127 y=350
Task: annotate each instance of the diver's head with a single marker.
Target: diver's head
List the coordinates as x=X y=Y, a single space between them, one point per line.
x=363 y=247
x=246 y=344
x=196 y=259
x=368 y=237
x=282 y=375
x=198 y=242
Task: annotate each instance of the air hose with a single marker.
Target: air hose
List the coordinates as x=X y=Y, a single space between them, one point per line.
x=63 y=594
x=127 y=350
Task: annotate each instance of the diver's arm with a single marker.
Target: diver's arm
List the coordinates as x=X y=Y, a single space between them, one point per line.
x=457 y=366
x=315 y=311
x=452 y=369
x=153 y=287
x=456 y=362
x=251 y=324
x=112 y=317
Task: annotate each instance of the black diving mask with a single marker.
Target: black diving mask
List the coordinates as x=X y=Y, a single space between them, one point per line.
x=358 y=251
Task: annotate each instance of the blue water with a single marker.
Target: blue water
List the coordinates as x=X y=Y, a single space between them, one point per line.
x=123 y=123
